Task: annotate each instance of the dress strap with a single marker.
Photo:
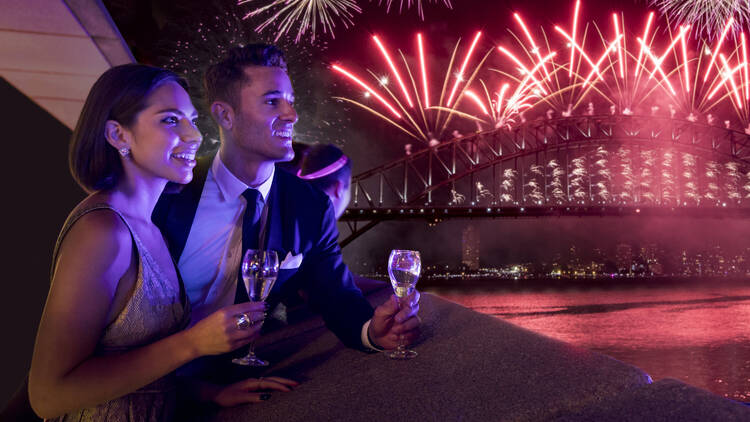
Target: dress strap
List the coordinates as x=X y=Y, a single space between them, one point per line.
x=143 y=252
x=75 y=216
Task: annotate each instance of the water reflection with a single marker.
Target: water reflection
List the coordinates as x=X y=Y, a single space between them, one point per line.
x=700 y=335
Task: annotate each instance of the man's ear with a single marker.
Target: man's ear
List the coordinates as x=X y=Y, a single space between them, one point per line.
x=117 y=135
x=338 y=189
x=223 y=114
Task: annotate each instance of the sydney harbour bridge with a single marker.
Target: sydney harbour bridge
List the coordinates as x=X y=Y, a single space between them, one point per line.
x=606 y=165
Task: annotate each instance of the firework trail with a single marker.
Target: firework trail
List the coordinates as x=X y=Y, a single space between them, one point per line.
x=708 y=78
x=646 y=178
x=706 y=17
x=412 y=109
x=535 y=183
x=601 y=164
x=501 y=110
x=577 y=180
x=689 y=174
x=305 y=15
x=608 y=71
x=408 y=3
x=508 y=185
x=633 y=73
x=556 y=191
x=668 y=184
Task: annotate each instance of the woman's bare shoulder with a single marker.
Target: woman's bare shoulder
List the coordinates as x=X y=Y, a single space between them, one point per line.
x=101 y=238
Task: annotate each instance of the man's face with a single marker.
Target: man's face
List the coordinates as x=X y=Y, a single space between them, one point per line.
x=265 y=115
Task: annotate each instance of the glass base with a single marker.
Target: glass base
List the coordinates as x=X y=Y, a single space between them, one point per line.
x=250 y=360
x=402 y=354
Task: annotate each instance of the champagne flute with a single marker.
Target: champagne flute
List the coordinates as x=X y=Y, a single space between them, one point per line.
x=403 y=269
x=259 y=272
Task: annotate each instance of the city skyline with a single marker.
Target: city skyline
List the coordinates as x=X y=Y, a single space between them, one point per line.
x=504 y=243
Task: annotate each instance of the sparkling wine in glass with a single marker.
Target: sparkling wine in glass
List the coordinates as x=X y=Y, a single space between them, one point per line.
x=403 y=269
x=259 y=272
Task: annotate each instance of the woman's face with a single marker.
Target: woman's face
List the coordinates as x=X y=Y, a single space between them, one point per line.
x=165 y=138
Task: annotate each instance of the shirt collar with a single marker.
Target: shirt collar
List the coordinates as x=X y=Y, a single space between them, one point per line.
x=231 y=187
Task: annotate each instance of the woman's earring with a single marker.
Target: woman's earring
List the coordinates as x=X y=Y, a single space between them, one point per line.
x=124 y=151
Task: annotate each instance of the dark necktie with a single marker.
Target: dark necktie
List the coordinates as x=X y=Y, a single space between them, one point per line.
x=250 y=232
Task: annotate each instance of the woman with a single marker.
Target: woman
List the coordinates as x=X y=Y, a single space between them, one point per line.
x=327 y=168
x=109 y=340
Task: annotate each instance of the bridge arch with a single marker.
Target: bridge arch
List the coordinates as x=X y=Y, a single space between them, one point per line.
x=558 y=164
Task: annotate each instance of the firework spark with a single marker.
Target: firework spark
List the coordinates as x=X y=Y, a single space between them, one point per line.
x=534 y=185
x=706 y=17
x=601 y=164
x=577 y=180
x=508 y=186
x=668 y=185
x=406 y=4
x=629 y=176
x=305 y=15
x=689 y=174
x=556 y=184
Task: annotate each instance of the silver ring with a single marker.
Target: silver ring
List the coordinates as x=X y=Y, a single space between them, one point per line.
x=242 y=321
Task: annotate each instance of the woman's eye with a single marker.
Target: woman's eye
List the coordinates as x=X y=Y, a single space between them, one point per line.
x=272 y=101
x=195 y=122
x=172 y=120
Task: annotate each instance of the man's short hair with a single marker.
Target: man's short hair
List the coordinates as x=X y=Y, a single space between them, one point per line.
x=222 y=80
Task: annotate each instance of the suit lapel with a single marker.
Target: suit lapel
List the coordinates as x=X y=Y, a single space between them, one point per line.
x=274 y=224
x=283 y=226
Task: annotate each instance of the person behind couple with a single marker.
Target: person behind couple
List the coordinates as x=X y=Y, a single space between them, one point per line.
x=110 y=336
x=327 y=168
x=251 y=99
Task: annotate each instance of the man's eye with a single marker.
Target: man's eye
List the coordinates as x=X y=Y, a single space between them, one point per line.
x=272 y=101
x=195 y=122
x=172 y=120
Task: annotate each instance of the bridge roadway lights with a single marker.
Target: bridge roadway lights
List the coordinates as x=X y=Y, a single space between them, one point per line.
x=430 y=213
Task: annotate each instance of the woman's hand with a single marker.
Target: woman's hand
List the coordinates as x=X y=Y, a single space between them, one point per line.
x=251 y=390
x=220 y=333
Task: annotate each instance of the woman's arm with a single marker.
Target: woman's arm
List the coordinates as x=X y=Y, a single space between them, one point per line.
x=95 y=257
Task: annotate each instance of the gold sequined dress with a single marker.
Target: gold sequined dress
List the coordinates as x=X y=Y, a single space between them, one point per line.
x=156 y=308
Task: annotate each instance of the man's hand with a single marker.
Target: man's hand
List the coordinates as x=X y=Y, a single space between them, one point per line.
x=395 y=319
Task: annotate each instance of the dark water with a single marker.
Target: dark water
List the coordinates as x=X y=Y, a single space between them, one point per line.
x=699 y=335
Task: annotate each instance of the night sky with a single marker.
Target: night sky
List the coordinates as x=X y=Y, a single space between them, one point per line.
x=186 y=35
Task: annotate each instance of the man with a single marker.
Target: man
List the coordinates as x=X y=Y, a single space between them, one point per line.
x=207 y=226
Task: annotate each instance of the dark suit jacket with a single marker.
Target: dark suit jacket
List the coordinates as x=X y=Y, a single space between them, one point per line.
x=300 y=221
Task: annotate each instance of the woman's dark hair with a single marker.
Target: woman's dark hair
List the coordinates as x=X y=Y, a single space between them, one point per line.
x=317 y=157
x=119 y=94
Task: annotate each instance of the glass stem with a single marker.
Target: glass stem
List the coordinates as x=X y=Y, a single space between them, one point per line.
x=401 y=346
